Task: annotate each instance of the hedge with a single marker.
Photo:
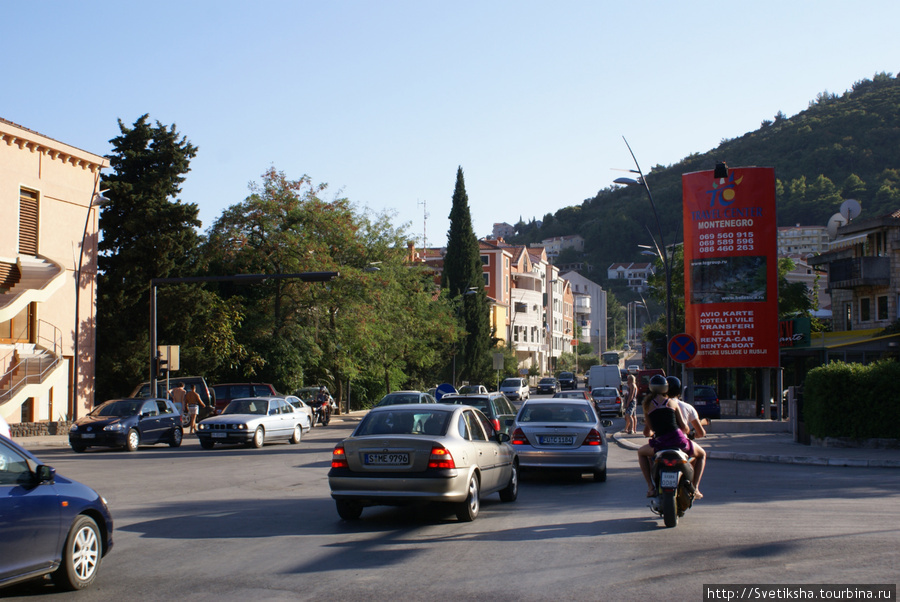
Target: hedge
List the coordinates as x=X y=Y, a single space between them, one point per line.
x=853 y=400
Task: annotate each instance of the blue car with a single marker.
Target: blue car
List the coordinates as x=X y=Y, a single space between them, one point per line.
x=49 y=525
x=128 y=423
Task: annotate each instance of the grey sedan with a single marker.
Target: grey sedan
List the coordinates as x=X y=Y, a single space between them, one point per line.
x=253 y=421
x=404 y=454
x=561 y=435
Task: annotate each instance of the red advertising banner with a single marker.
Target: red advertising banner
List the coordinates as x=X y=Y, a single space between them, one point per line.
x=730 y=268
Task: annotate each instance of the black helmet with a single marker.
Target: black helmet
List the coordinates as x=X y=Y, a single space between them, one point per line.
x=674 y=386
x=658 y=384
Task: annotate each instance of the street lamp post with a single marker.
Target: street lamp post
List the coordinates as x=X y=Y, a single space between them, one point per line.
x=659 y=247
x=97 y=200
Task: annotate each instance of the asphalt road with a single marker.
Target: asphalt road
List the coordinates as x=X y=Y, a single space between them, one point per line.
x=239 y=524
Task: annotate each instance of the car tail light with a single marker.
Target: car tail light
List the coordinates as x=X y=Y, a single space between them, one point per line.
x=495 y=422
x=593 y=438
x=519 y=438
x=440 y=458
x=339 y=457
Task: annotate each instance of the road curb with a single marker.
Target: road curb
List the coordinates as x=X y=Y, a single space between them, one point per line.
x=779 y=459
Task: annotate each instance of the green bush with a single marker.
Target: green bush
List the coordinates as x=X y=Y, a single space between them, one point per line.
x=853 y=400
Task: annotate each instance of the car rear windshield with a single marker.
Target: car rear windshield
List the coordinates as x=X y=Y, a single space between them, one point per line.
x=512 y=382
x=605 y=392
x=404 y=422
x=480 y=403
x=555 y=412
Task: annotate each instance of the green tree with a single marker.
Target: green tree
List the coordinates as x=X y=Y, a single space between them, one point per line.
x=463 y=281
x=149 y=233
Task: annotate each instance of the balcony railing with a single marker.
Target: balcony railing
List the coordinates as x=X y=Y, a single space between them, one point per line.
x=859 y=271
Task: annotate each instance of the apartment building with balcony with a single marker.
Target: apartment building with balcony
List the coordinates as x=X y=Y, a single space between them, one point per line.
x=635 y=275
x=802 y=240
x=46 y=214
x=590 y=310
x=863 y=265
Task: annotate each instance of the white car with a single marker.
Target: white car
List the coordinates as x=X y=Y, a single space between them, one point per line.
x=515 y=388
x=253 y=421
x=4 y=428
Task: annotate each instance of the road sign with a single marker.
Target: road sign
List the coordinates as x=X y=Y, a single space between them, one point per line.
x=682 y=348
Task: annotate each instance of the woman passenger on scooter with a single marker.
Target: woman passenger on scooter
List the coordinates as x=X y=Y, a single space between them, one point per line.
x=665 y=425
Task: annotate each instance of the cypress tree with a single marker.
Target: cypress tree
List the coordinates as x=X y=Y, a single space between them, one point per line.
x=463 y=280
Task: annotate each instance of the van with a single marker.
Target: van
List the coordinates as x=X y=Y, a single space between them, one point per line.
x=605 y=376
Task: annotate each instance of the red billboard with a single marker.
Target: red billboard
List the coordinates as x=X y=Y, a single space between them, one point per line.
x=730 y=268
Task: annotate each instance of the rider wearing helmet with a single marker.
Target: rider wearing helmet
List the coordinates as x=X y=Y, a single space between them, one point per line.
x=664 y=423
x=687 y=410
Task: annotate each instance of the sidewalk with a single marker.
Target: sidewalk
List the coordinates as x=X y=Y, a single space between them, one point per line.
x=755 y=440
x=747 y=440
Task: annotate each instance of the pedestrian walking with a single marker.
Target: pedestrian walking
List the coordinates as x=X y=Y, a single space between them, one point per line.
x=630 y=406
x=193 y=401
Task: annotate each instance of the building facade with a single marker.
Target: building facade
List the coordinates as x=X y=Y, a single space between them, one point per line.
x=47 y=192
x=590 y=306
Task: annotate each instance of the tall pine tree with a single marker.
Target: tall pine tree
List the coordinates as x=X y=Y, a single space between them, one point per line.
x=463 y=281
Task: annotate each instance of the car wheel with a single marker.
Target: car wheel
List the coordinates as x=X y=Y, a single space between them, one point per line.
x=298 y=432
x=81 y=555
x=259 y=438
x=511 y=491
x=205 y=444
x=600 y=475
x=348 y=510
x=78 y=448
x=467 y=511
x=132 y=440
x=177 y=437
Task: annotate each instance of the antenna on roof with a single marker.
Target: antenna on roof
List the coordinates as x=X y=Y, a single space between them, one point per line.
x=424 y=223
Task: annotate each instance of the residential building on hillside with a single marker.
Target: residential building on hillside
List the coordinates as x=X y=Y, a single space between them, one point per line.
x=503 y=231
x=863 y=265
x=528 y=326
x=557 y=244
x=47 y=197
x=635 y=274
x=590 y=296
x=802 y=240
x=555 y=316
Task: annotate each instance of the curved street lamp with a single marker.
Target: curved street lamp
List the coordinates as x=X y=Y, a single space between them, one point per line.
x=660 y=247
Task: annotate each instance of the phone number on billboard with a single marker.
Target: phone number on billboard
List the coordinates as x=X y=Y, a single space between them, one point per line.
x=723 y=242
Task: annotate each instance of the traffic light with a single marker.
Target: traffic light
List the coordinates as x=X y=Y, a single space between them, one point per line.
x=160 y=367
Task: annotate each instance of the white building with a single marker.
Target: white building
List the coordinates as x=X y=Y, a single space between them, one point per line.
x=590 y=296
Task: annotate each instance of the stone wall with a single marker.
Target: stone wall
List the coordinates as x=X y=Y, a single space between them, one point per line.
x=36 y=429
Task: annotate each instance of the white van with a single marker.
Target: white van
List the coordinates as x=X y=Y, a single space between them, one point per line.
x=515 y=388
x=605 y=376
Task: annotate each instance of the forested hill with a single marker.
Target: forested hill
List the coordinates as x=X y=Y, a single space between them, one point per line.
x=842 y=146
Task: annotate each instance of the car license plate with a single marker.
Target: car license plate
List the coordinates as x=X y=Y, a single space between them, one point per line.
x=557 y=440
x=219 y=435
x=386 y=459
x=699 y=403
x=668 y=480
x=87 y=435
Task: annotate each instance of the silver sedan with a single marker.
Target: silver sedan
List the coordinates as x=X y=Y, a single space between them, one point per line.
x=253 y=421
x=404 y=454
x=562 y=435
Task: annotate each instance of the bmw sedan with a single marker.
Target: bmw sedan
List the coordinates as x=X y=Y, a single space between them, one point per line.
x=128 y=423
x=561 y=435
x=406 y=454
x=49 y=525
x=253 y=421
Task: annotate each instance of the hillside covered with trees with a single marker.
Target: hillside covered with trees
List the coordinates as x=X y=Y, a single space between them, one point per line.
x=842 y=146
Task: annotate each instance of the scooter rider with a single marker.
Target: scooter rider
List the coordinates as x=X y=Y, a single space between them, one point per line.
x=664 y=423
x=323 y=400
x=691 y=417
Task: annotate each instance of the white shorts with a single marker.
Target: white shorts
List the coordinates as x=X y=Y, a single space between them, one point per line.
x=193 y=409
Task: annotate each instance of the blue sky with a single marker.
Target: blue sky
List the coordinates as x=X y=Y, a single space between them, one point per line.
x=383 y=100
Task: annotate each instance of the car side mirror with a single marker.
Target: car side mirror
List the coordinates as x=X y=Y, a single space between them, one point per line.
x=502 y=437
x=45 y=474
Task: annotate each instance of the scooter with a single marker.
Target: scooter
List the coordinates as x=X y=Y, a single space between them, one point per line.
x=672 y=473
x=321 y=412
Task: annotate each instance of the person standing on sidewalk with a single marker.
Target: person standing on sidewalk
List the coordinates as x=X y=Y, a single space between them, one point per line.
x=630 y=406
x=193 y=401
